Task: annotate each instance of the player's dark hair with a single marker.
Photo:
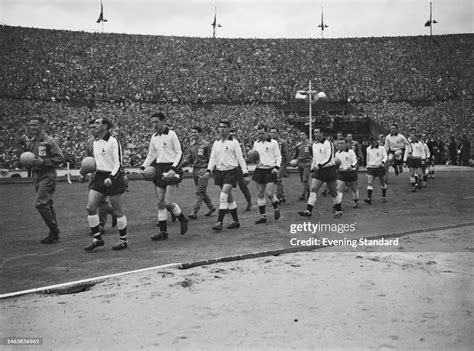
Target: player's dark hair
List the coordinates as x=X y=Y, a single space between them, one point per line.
x=38 y=118
x=197 y=128
x=227 y=123
x=262 y=126
x=107 y=122
x=160 y=115
x=321 y=130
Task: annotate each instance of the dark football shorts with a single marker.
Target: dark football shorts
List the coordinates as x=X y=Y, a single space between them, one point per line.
x=163 y=168
x=347 y=176
x=264 y=176
x=117 y=187
x=413 y=162
x=376 y=172
x=225 y=177
x=325 y=174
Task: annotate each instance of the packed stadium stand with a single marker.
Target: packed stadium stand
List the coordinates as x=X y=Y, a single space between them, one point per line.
x=423 y=82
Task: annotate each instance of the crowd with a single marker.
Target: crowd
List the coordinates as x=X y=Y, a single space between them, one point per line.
x=449 y=124
x=69 y=77
x=79 y=66
x=68 y=125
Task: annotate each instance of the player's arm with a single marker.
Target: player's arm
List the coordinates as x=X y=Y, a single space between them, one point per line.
x=277 y=154
x=116 y=151
x=405 y=156
x=314 y=164
x=254 y=147
x=367 y=159
x=427 y=151
x=353 y=158
x=151 y=156
x=384 y=156
x=409 y=147
x=57 y=156
x=240 y=159
x=179 y=152
x=212 y=159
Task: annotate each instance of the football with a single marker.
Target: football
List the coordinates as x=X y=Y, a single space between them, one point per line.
x=149 y=173
x=26 y=158
x=338 y=162
x=294 y=163
x=252 y=157
x=398 y=154
x=171 y=179
x=88 y=165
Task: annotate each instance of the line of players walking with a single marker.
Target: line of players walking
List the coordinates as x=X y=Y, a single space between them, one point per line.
x=331 y=166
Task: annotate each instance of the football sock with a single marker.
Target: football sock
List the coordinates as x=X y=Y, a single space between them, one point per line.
x=384 y=190
x=94 y=224
x=162 y=217
x=261 y=205
x=122 y=227
x=233 y=211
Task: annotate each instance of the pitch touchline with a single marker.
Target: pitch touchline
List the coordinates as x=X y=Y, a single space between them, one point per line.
x=52 y=288
x=45 y=289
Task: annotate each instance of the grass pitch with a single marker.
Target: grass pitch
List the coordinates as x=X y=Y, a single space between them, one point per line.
x=27 y=264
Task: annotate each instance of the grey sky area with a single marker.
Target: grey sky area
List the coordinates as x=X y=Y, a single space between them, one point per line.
x=245 y=18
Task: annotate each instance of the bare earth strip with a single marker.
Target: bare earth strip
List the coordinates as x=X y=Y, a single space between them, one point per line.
x=323 y=299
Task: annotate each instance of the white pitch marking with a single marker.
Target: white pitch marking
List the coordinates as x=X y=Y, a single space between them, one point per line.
x=88 y=280
x=8 y=259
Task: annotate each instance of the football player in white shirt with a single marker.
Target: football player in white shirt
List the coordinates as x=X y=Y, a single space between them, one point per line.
x=165 y=154
x=108 y=181
x=240 y=175
x=425 y=166
x=282 y=172
x=265 y=174
x=388 y=163
x=226 y=157
x=376 y=161
x=415 y=161
x=323 y=168
x=397 y=146
x=347 y=171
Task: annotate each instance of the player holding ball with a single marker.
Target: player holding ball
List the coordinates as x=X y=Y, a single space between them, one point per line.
x=108 y=181
x=44 y=155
